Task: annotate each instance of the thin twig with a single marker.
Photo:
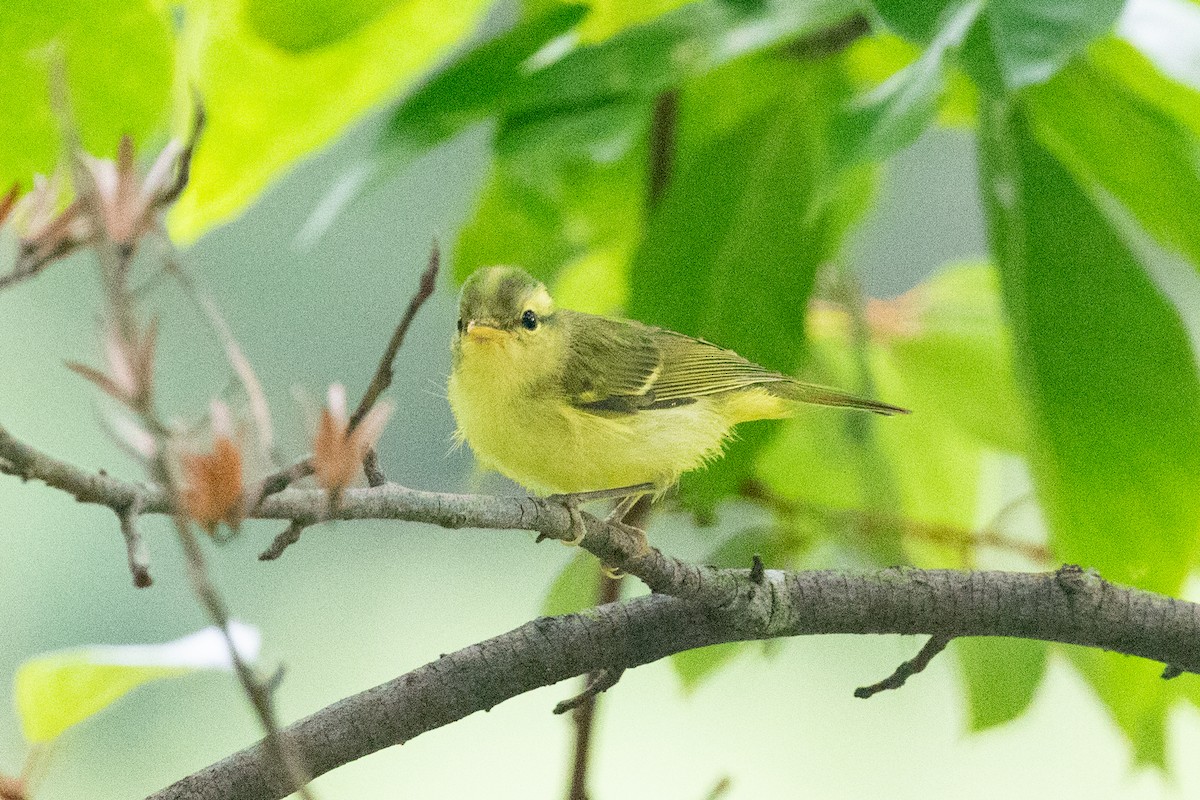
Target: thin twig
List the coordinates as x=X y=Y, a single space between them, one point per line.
x=135 y=548
x=720 y=788
x=936 y=644
x=114 y=258
x=285 y=539
x=868 y=521
x=372 y=469
x=278 y=481
x=599 y=681
x=384 y=373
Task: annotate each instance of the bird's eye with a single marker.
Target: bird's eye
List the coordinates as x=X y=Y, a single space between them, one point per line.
x=460 y=325
x=529 y=319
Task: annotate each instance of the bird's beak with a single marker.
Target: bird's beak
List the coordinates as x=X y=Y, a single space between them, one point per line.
x=482 y=332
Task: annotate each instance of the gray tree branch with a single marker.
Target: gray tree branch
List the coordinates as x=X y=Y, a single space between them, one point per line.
x=1061 y=607
x=692 y=606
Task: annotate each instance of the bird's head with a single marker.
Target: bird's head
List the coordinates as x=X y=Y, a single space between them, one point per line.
x=502 y=305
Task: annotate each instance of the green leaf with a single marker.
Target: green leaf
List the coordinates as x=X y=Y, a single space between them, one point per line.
x=119 y=71
x=894 y=114
x=1123 y=62
x=1025 y=41
x=607 y=83
x=695 y=665
x=1108 y=371
x=546 y=214
x=942 y=349
x=1001 y=677
x=473 y=88
x=955 y=362
x=58 y=690
x=301 y=25
x=915 y=21
x=575 y=588
x=269 y=107
x=1136 y=696
x=1107 y=136
x=648 y=59
x=759 y=195
x=607 y=19
x=1033 y=39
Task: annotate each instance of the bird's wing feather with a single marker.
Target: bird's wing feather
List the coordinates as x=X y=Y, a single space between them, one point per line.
x=620 y=366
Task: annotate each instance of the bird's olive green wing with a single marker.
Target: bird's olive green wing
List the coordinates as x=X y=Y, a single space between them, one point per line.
x=619 y=366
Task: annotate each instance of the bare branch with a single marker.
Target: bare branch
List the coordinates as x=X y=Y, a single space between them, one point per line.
x=709 y=606
x=280 y=480
x=601 y=681
x=936 y=644
x=286 y=538
x=647 y=628
x=383 y=375
x=135 y=548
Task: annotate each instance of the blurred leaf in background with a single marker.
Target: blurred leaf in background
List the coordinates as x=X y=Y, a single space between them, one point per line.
x=57 y=690
x=287 y=95
x=120 y=62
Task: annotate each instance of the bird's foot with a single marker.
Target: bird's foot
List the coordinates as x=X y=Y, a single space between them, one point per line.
x=616 y=520
x=628 y=494
x=578 y=529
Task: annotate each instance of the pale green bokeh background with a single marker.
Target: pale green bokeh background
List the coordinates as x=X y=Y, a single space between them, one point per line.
x=353 y=605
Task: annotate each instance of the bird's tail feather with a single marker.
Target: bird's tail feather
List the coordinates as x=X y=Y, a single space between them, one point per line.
x=824 y=396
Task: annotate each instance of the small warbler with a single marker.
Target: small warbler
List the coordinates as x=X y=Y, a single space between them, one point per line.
x=584 y=406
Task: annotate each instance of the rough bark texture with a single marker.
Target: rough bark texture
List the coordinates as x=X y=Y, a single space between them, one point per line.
x=692 y=606
x=1067 y=606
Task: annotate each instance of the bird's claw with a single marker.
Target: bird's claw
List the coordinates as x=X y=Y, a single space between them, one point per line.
x=635 y=533
x=578 y=529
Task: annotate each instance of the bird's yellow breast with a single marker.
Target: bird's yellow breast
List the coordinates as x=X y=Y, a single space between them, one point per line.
x=525 y=429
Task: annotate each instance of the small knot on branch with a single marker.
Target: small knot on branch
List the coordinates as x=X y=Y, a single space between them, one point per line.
x=1074 y=579
x=1171 y=671
x=757 y=571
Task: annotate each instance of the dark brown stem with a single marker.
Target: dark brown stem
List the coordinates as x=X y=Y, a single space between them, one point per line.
x=286 y=538
x=384 y=373
x=662 y=146
x=936 y=644
x=830 y=41
x=586 y=704
x=372 y=469
x=135 y=548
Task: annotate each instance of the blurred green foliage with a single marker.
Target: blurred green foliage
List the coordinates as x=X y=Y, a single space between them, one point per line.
x=769 y=121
